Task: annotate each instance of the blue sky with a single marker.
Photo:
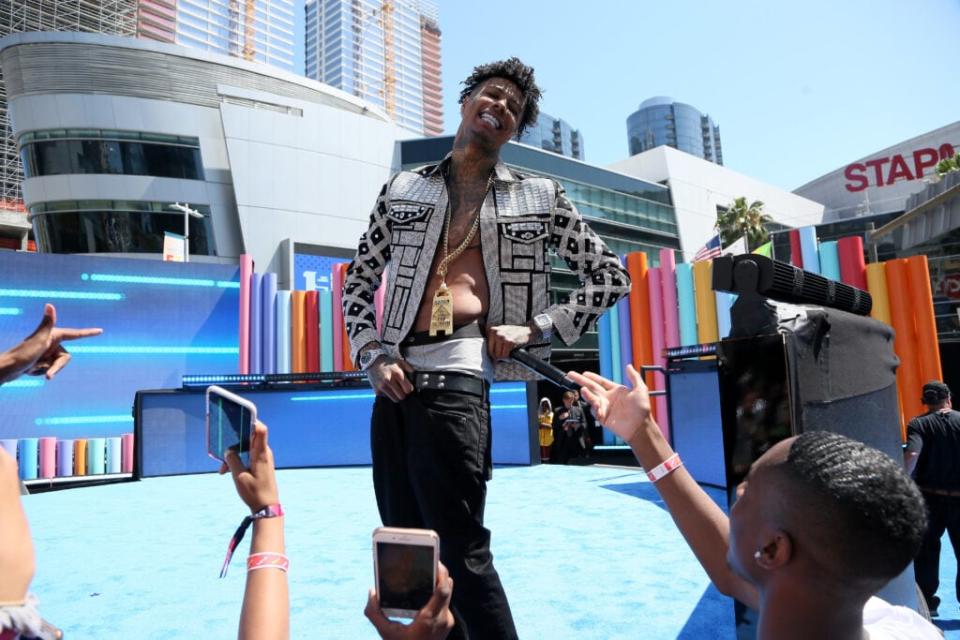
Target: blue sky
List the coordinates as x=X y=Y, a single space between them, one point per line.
x=798 y=89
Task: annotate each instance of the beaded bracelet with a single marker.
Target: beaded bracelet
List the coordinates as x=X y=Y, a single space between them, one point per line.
x=267 y=560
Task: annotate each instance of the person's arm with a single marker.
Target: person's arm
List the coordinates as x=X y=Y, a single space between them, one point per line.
x=266 y=600
x=363 y=278
x=603 y=280
x=41 y=352
x=17 y=561
x=914 y=446
x=703 y=524
x=387 y=375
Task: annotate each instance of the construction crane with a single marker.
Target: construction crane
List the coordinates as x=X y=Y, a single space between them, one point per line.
x=249 y=30
x=389 y=59
x=384 y=16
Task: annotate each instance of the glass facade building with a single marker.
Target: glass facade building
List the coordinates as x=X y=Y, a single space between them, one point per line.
x=384 y=51
x=117 y=17
x=267 y=31
x=86 y=151
x=662 y=121
x=554 y=134
x=115 y=226
x=628 y=213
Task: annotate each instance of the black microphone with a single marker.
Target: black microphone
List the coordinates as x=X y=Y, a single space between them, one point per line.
x=544 y=369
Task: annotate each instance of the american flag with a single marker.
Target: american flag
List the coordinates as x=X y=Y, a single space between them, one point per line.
x=710 y=250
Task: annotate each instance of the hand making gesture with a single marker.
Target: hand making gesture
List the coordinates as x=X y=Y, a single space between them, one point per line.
x=42 y=352
x=622 y=410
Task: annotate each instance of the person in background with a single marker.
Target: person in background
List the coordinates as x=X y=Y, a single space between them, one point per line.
x=545 y=422
x=933 y=458
x=570 y=419
x=821 y=523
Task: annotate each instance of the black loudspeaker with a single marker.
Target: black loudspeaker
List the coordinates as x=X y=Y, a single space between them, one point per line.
x=821 y=369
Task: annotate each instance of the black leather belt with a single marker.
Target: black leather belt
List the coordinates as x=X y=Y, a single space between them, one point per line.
x=449 y=381
x=471 y=330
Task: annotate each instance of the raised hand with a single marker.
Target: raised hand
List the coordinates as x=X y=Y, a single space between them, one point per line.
x=42 y=352
x=256 y=485
x=622 y=410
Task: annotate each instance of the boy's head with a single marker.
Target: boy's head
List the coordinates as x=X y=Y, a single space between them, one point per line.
x=822 y=507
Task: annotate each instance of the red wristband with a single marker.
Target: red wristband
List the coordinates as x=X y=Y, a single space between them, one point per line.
x=267 y=560
x=665 y=468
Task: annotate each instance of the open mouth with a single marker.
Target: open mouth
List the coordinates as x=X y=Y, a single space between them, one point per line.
x=491 y=120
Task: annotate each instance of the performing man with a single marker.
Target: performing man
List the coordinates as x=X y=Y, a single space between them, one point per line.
x=933 y=458
x=464 y=244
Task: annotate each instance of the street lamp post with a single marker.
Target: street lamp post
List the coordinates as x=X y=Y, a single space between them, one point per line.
x=187 y=214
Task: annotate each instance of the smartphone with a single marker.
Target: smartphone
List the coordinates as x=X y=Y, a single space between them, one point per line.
x=405 y=569
x=230 y=421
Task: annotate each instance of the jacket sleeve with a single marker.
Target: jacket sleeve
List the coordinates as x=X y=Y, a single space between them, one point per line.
x=603 y=281
x=363 y=277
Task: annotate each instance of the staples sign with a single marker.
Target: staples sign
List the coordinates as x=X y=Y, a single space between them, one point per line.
x=950 y=285
x=880 y=172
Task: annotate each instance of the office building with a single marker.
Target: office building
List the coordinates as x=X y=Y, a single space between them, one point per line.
x=699 y=190
x=553 y=134
x=386 y=52
x=105 y=16
x=112 y=131
x=895 y=200
x=267 y=31
x=662 y=121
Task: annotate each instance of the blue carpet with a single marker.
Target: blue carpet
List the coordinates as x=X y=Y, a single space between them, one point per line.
x=584 y=552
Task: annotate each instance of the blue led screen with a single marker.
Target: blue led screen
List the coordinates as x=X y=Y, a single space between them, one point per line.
x=160 y=321
x=308 y=428
x=696 y=427
x=313 y=271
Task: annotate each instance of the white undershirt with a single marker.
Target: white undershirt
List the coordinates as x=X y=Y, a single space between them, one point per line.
x=884 y=621
x=468 y=355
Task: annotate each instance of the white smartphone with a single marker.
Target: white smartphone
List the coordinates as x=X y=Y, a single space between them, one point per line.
x=230 y=421
x=405 y=569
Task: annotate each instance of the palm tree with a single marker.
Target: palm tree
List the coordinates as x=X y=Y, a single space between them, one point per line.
x=948 y=164
x=743 y=220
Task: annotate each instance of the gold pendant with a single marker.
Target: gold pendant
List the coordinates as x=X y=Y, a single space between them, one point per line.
x=441 y=317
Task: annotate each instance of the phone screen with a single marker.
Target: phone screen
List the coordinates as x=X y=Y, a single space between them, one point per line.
x=405 y=575
x=230 y=426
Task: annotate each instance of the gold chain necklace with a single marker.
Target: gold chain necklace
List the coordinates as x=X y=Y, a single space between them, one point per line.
x=441 y=316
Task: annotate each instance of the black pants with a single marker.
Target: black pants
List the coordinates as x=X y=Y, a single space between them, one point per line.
x=431 y=461
x=944 y=515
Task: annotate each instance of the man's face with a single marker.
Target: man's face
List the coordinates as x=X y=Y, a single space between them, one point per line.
x=754 y=501
x=491 y=114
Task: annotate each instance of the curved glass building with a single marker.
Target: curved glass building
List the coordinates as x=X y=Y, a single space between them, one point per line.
x=662 y=121
x=554 y=134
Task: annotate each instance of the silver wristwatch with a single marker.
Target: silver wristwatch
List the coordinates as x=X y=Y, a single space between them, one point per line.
x=545 y=325
x=370 y=356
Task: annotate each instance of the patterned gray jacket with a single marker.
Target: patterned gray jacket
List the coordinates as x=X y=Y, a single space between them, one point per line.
x=520 y=219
